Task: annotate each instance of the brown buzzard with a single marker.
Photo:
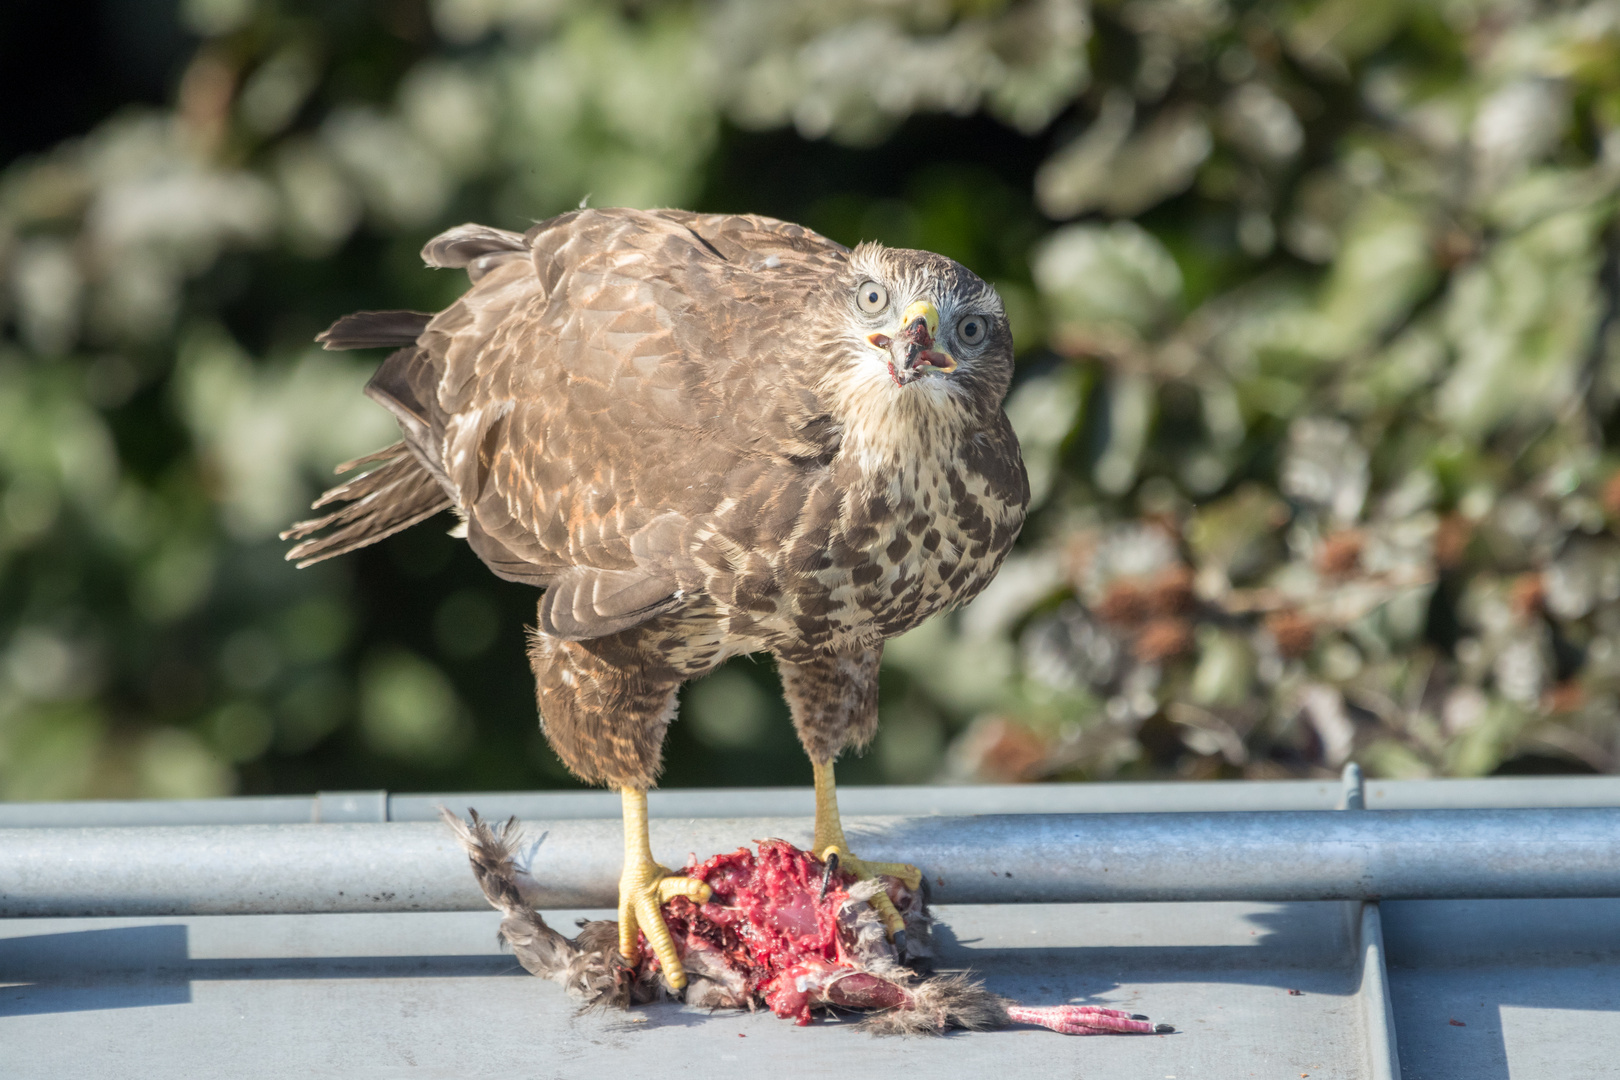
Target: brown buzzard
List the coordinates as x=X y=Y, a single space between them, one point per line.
x=701 y=435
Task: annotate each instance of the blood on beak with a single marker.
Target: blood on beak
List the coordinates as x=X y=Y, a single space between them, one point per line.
x=911 y=351
x=921 y=312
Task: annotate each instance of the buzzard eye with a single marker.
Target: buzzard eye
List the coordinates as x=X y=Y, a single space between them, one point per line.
x=872 y=297
x=971 y=329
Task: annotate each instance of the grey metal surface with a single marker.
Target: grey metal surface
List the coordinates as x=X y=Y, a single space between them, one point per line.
x=1495 y=792
x=268 y=810
x=1480 y=989
x=1184 y=797
x=1492 y=989
x=727 y=803
x=428 y=995
x=1535 y=984
x=1032 y=858
x=891 y=801
x=349 y=807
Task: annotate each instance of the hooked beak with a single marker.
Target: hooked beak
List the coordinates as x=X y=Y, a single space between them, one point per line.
x=911 y=351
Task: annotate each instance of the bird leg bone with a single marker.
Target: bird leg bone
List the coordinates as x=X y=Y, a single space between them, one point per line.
x=1085 y=1020
x=644 y=888
x=831 y=846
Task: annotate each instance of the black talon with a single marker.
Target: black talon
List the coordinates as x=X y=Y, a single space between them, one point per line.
x=827 y=875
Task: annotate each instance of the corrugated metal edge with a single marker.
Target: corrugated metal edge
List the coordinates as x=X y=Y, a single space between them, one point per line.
x=1372 y=992
x=1131 y=797
x=1377 y=1009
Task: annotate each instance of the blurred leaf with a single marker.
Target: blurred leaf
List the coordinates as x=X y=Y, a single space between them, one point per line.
x=409 y=709
x=1106 y=276
x=1319 y=367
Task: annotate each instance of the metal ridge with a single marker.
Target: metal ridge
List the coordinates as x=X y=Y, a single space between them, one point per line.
x=1031 y=858
x=1382 y=1043
x=1182 y=796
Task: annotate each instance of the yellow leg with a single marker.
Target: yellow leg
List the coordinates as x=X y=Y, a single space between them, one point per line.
x=643 y=889
x=830 y=841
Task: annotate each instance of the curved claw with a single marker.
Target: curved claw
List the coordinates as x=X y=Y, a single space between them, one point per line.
x=643 y=890
x=838 y=855
x=893 y=921
x=829 y=841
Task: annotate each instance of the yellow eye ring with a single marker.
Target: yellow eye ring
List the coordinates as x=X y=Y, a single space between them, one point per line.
x=872 y=297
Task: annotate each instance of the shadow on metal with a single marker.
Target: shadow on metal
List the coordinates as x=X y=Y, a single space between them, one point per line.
x=1469 y=977
x=140 y=966
x=123 y=968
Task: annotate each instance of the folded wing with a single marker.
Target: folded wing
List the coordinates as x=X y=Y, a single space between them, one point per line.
x=609 y=381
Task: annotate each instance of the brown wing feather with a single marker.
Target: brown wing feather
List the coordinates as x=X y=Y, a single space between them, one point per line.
x=404 y=385
x=597 y=401
x=611 y=381
x=476 y=248
x=584 y=602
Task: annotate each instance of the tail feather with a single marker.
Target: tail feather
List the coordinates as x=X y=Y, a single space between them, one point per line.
x=387 y=453
x=399 y=491
x=380 y=503
x=375 y=330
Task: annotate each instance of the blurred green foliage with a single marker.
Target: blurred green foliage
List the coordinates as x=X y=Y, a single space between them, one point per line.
x=1319 y=365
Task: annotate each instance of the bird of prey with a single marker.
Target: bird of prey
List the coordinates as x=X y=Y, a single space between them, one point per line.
x=701 y=436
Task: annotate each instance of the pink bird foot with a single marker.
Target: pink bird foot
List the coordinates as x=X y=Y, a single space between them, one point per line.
x=1085 y=1020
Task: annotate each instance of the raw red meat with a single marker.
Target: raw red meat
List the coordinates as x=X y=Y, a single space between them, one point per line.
x=779 y=930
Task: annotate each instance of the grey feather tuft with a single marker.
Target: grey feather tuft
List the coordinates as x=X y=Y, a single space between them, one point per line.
x=584 y=602
x=588 y=967
x=938 y=1005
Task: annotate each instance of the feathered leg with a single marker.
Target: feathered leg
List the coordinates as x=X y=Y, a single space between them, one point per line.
x=834 y=700
x=604 y=706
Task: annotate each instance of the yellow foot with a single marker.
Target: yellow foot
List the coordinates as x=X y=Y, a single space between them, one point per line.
x=829 y=841
x=643 y=890
x=863 y=869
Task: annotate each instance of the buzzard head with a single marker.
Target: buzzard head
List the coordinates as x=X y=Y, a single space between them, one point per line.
x=918 y=330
